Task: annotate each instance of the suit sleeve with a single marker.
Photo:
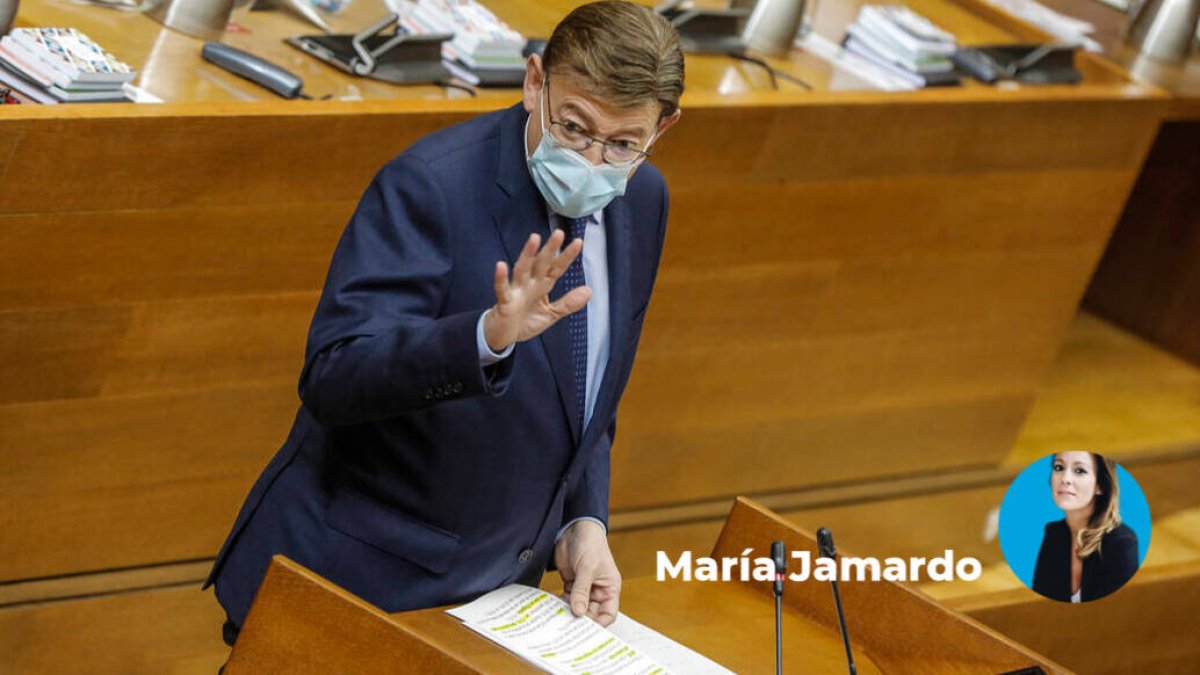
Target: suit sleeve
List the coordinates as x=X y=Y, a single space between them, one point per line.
x=590 y=494
x=379 y=344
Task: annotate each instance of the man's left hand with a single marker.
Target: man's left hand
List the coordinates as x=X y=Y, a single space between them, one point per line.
x=591 y=581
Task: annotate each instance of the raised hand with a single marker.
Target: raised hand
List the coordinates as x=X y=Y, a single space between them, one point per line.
x=523 y=309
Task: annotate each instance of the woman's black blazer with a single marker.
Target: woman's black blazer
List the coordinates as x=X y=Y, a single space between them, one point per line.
x=1104 y=571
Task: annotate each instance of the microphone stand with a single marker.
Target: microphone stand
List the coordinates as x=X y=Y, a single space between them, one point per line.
x=827 y=550
x=779 y=556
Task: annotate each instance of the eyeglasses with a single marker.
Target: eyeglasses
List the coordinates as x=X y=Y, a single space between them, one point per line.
x=574 y=137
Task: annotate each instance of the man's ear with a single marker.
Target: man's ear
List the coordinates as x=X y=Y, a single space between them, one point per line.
x=534 y=78
x=666 y=122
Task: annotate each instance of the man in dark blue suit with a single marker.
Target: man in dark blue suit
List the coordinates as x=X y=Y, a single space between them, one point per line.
x=461 y=379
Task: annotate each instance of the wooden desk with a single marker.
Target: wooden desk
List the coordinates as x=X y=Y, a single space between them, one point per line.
x=1148 y=280
x=855 y=285
x=1182 y=79
x=727 y=622
x=170 y=66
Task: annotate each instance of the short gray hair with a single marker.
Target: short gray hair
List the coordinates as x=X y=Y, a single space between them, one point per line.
x=621 y=52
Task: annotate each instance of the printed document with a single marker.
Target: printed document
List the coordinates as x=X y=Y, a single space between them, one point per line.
x=539 y=627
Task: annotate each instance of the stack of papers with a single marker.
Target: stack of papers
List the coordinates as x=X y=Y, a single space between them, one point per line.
x=902 y=42
x=1067 y=29
x=61 y=64
x=481 y=40
x=540 y=628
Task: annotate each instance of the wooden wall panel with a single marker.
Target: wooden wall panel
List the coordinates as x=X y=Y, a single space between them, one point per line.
x=174 y=161
x=173 y=630
x=109 y=257
x=131 y=480
x=785 y=453
x=1148 y=280
x=143 y=348
x=924 y=522
x=1146 y=627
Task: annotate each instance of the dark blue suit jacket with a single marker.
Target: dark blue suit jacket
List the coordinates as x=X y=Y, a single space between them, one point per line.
x=412 y=476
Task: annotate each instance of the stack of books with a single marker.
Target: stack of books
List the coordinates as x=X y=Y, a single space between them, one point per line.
x=49 y=65
x=483 y=47
x=904 y=43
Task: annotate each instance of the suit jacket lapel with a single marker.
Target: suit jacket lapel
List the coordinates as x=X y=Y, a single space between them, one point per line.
x=518 y=211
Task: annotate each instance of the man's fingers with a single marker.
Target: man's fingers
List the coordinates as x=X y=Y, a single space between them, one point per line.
x=545 y=257
x=581 y=590
x=571 y=302
x=605 y=612
x=500 y=282
x=524 y=264
x=560 y=264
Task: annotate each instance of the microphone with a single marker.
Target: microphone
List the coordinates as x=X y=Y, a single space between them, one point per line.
x=825 y=543
x=779 y=557
x=828 y=550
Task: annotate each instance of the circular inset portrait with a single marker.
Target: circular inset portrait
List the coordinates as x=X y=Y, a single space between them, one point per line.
x=1074 y=526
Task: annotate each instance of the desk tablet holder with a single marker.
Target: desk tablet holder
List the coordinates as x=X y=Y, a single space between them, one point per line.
x=1034 y=63
x=706 y=31
x=399 y=57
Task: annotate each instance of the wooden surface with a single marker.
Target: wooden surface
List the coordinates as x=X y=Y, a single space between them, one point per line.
x=170 y=66
x=1106 y=388
x=1145 y=628
x=153 y=335
x=728 y=623
x=901 y=630
x=166 y=630
x=301 y=623
x=1181 y=79
x=896 y=630
x=1148 y=280
x=895 y=273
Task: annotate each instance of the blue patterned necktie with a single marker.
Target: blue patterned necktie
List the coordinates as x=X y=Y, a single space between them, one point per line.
x=577 y=322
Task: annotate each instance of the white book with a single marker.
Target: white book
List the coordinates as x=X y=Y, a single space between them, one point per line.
x=72 y=55
x=13 y=80
x=865 y=41
x=110 y=95
x=876 y=20
x=859 y=49
x=25 y=62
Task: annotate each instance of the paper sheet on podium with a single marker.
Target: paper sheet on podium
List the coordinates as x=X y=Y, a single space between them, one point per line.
x=540 y=628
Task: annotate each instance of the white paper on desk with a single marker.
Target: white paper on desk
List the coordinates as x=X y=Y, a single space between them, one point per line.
x=867 y=72
x=540 y=628
x=666 y=652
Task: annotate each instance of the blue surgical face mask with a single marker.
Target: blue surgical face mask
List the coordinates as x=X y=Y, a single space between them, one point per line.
x=571 y=185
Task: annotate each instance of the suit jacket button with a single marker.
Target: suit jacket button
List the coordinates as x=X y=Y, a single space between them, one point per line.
x=525 y=555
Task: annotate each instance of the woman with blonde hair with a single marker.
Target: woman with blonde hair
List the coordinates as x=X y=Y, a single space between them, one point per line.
x=1090 y=553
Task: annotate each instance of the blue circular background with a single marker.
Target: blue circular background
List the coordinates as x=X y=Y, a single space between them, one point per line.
x=1028 y=506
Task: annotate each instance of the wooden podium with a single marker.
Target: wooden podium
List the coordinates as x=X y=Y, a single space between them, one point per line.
x=301 y=623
